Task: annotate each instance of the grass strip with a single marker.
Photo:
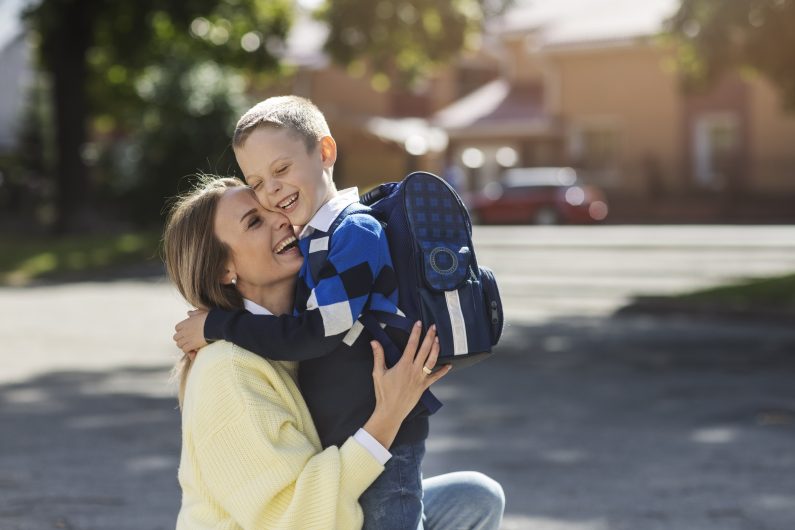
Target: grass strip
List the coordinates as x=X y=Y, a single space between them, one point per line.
x=23 y=260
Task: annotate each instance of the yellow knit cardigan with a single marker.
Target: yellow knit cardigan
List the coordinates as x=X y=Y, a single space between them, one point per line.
x=251 y=457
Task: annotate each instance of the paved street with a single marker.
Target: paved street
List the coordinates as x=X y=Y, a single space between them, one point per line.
x=589 y=422
x=565 y=271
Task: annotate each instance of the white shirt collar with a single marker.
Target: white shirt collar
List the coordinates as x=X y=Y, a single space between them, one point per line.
x=255 y=308
x=325 y=216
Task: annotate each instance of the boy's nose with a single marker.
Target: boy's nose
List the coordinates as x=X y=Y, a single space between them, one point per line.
x=273 y=186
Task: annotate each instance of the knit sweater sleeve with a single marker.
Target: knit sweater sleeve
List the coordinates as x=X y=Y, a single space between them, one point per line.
x=266 y=471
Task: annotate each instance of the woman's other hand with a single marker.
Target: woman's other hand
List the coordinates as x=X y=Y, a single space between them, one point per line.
x=398 y=389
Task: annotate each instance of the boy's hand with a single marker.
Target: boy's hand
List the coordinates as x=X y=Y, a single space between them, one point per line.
x=190 y=332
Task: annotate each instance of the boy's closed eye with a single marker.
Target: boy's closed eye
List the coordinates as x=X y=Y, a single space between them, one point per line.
x=257 y=184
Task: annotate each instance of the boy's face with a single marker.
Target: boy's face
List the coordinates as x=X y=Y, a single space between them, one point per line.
x=285 y=177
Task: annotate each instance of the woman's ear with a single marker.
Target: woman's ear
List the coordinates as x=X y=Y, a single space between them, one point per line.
x=328 y=151
x=229 y=277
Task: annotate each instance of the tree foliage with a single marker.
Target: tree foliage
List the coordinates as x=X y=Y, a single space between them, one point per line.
x=716 y=36
x=124 y=39
x=403 y=39
x=142 y=71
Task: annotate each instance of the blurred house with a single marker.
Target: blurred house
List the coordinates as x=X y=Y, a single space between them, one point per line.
x=377 y=128
x=586 y=83
x=383 y=132
x=581 y=83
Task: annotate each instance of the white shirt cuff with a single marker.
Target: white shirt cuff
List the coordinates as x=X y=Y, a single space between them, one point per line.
x=372 y=445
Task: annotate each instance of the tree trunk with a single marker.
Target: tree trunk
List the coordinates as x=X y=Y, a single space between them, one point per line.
x=69 y=42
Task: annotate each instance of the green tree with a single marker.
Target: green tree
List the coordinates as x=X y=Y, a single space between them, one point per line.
x=716 y=36
x=402 y=40
x=96 y=51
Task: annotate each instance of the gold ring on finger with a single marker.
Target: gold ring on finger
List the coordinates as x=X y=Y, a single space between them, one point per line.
x=427 y=370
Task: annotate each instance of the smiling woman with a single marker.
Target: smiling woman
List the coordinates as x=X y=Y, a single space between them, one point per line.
x=264 y=258
x=221 y=247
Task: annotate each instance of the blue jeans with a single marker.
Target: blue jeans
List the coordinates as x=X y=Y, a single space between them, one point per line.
x=394 y=500
x=464 y=500
x=400 y=499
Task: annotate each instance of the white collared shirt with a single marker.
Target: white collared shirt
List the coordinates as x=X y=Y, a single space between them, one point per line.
x=365 y=439
x=325 y=216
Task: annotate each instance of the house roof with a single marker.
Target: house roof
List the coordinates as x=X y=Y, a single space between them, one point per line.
x=571 y=22
x=497 y=108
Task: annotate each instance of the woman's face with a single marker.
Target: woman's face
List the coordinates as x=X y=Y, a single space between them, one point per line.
x=264 y=250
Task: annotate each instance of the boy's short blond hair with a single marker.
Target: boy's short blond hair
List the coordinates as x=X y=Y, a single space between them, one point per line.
x=293 y=113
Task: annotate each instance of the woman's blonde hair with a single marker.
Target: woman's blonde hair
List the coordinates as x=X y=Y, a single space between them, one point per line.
x=194 y=256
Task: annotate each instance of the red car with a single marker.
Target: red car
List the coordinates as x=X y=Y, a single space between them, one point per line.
x=538 y=195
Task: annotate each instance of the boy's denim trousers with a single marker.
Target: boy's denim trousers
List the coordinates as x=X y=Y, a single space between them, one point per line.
x=464 y=500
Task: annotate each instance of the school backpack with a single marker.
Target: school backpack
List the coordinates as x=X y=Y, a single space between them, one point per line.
x=439 y=281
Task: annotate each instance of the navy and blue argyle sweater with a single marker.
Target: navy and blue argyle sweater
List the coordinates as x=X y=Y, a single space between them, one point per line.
x=341 y=277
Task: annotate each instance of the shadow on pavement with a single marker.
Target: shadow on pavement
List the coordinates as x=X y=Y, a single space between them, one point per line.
x=627 y=424
x=87 y=450
x=589 y=424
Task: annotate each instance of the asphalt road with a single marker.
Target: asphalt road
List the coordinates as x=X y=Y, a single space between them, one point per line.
x=589 y=422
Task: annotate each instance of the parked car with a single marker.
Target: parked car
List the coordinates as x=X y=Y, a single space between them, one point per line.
x=538 y=195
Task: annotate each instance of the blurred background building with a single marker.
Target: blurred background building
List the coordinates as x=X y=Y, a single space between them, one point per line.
x=590 y=85
x=595 y=85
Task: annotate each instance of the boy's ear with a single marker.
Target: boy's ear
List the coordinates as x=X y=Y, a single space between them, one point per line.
x=328 y=151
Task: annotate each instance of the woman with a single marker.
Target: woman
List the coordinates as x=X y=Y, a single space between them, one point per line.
x=251 y=457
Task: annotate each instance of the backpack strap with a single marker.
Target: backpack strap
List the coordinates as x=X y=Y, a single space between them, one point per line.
x=352 y=208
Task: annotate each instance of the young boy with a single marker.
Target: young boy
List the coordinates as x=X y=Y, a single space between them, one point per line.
x=284 y=148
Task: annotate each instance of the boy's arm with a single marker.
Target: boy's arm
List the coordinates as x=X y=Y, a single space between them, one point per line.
x=280 y=338
x=357 y=264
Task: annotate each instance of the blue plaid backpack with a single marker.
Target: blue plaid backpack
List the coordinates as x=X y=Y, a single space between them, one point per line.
x=439 y=280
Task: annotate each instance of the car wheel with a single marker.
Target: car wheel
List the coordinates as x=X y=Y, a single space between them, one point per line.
x=546 y=216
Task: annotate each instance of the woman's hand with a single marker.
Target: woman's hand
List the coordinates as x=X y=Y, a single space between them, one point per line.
x=398 y=389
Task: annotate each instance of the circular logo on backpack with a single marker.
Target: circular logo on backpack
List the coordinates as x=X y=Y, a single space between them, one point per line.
x=443 y=260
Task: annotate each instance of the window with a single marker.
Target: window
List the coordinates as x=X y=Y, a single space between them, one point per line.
x=596 y=149
x=600 y=148
x=715 y=143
